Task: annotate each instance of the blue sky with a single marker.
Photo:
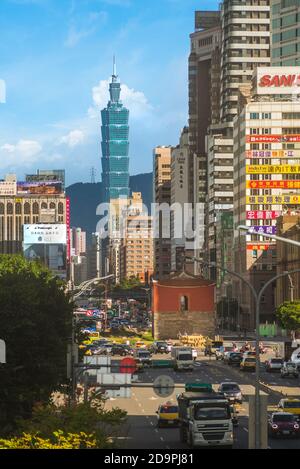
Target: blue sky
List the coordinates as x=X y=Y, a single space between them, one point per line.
x=56 y=58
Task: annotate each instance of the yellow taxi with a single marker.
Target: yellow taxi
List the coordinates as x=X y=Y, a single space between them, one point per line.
x=248 y=364
x=167 y=415
x=140 y=344
x=290 y=405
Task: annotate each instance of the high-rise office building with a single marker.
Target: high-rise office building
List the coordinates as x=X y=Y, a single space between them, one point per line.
x=245 y=46
x=115 y=144
x=162 y=195
x=285 y=46
x=204 y=109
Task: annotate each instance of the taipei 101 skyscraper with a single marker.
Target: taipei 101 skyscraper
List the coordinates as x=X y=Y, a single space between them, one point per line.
x=115 y=144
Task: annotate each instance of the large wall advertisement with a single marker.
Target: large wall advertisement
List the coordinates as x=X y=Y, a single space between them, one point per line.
x=40 y=188
x=47 y=244
x=278 y=80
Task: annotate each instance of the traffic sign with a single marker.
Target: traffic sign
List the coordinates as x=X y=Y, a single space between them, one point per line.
x=164 y=386
x=128 y=365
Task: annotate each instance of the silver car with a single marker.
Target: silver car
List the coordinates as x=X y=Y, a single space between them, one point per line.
x=274 y=364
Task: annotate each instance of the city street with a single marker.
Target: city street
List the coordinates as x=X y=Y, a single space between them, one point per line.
x=141 y=432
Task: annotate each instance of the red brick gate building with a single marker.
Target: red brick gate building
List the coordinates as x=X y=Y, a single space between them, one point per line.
x=183 y=303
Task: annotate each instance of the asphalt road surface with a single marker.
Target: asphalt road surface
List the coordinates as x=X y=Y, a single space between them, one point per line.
x=141 y=432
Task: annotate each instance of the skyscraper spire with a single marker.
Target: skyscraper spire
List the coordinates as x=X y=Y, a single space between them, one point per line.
x=114 y=67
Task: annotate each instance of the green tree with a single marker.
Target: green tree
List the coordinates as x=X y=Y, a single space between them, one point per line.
x=35 y=322
x=288 y=315
x=99 y=424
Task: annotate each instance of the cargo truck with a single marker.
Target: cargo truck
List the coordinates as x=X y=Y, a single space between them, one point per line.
x=183 y=358
x=205 y=420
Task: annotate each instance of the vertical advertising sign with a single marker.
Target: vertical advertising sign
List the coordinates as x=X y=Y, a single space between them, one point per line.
x=68 y=229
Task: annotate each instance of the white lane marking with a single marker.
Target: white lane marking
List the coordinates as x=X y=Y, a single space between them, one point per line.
x=161 y=438
x=151 y=423
x=156 y=431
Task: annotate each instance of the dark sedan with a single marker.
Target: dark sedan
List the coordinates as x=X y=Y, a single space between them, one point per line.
x=121 y=350
x=234 y=358
x=283 y=424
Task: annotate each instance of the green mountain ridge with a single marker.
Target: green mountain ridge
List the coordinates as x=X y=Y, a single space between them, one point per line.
x=85 y=198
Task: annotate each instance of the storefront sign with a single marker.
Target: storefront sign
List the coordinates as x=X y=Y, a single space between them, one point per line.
x=262 y=214
x=273 y=184
x=273 y=169
x=271 y=154
x=272 y=230
x=260 y=247
x=273 y=138
x=278 y=80
x=273 y=199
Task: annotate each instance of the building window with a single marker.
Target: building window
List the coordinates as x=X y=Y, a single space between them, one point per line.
x=60 y=208
x=18 y=208
x=9 y=208
x=27 y=208
x=35 y=208
x=2 y=209
x=184 y=303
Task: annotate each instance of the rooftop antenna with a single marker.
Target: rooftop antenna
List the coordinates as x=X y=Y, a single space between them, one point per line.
x=93 y=175
x=114 y=67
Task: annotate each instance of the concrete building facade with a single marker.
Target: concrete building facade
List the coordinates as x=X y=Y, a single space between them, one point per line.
x=162 y=195
x=288 y=259
x=266 y=184
x=285 y=46
x=136 y=249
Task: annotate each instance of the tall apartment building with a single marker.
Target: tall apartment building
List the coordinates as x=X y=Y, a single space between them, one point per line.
x=179 y=196
x=162 y=195
x=204 y=97
x=94 y=258
x=266 y=184
x=245 y=46
x=136 y=250
x=78 y=242
x=285 y=45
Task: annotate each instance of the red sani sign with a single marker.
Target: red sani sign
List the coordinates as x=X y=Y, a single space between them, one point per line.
x=277 y=81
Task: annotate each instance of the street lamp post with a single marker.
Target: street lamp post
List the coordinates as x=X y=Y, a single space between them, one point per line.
x=74 y=296
x=257 y=297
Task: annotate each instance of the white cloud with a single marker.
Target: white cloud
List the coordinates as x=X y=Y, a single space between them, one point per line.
x=22 y=153
x=75 y=36
x=88 y=27
x=74 y=138
x=135 y=101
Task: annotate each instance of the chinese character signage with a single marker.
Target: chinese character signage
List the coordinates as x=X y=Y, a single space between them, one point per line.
x=273 y=199
x=273 y=169
x=273 y=184
x=273 y=138
x=260 y=247
x=262 y=214
x=271 y=154
x=263 y=230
